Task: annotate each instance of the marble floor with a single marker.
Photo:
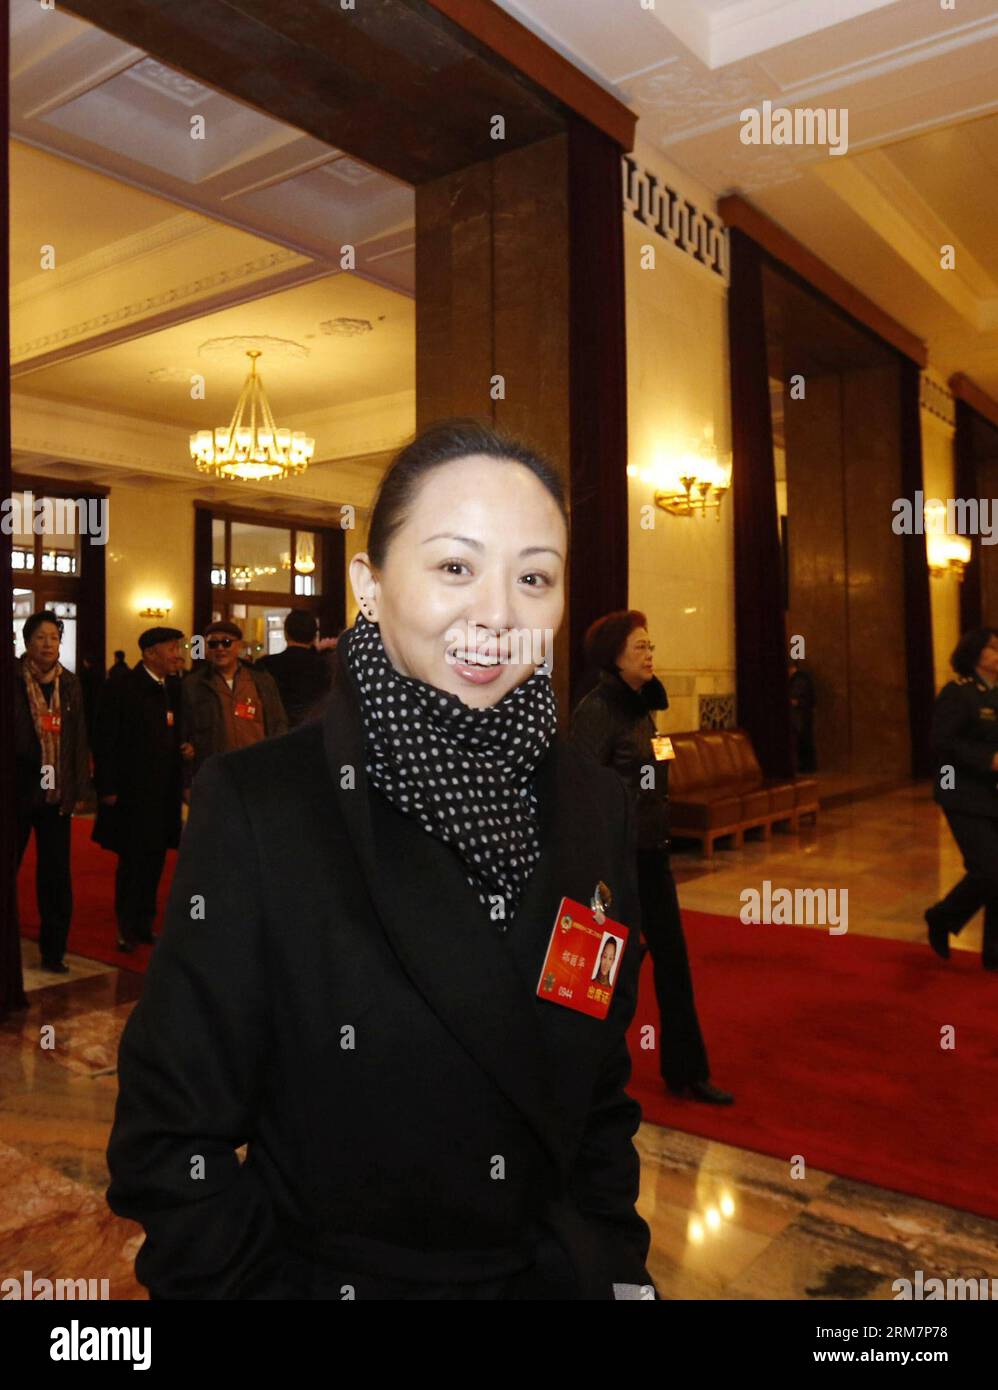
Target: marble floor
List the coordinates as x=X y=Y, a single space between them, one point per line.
x=726 y=1223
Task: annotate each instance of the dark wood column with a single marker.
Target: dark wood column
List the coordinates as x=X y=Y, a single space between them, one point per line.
x=12 y=994
x=519 y=274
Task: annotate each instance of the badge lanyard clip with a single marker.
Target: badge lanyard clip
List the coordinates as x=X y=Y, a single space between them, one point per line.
x=600 y=902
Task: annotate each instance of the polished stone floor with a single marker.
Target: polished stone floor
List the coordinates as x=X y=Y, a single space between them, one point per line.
x=726 y=1223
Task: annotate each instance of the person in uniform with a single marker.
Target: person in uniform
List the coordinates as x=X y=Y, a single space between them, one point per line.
x=138 y=772
x=614 y=725
x=227 y=703
x=357 y=994
x=52 y=773
x=965 y=743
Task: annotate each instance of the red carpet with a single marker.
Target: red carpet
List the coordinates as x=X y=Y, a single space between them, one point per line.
x=831 y=1046
x=830 y=1043
x=94 y=931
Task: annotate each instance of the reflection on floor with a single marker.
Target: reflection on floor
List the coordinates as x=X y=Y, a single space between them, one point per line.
x=726 y=1223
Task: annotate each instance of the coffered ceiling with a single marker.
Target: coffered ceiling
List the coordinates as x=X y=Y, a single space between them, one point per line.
x=143 y=258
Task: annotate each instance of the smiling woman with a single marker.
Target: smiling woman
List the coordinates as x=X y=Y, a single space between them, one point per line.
x=478 y=533
x=470 y=1135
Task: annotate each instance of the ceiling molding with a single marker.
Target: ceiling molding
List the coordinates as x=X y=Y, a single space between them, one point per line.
x=965 y=390
x=744 y=29
x=893 y=209
x=241 y=284
x=172 y=231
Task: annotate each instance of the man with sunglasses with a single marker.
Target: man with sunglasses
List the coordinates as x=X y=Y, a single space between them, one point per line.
x=227 y=703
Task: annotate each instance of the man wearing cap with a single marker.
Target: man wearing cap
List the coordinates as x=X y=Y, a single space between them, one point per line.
x=138 y=765
x=227 y=703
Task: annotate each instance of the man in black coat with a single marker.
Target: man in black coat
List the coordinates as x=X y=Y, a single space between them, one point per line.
x=301 y=674
x=329 y=989
x=965 y=742
x=138 y=773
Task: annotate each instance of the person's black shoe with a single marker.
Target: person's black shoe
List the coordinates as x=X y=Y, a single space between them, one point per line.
x=125 y=945
x=703 y=1091
x=938 y=936
x=55 y=967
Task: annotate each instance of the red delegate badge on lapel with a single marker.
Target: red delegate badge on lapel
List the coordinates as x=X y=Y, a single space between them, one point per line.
x=52 y=723
x=245 y=709
x=583 y=960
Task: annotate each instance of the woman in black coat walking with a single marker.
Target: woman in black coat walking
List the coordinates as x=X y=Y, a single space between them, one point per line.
x=614 y=725
x=356 y=976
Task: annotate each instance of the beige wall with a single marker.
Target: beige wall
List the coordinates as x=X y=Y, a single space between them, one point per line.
x=681 y=572
x=150 y=555
x=939 y=473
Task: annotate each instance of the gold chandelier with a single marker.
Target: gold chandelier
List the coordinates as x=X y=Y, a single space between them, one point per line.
x=251 y=447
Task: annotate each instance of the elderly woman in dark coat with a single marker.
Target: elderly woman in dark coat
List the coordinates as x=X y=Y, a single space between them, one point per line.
x=351 y=980
x=614 y=724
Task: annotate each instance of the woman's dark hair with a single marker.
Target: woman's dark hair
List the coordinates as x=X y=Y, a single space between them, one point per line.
x=32 y=624
x=967 y=652
x=442 y=443
x=605 y=639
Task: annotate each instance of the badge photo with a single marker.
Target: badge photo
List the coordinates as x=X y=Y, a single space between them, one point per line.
x=582 y=961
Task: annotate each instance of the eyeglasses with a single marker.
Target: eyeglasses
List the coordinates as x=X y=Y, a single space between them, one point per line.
x=645 y=647
x=225 y=642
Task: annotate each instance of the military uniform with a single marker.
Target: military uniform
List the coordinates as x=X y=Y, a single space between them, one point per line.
x=965 y=740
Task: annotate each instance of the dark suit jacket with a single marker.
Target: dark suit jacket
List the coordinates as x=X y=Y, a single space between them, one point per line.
x=614 y=725
x=459 y=1125
x=965 y=738
x=137 y=758
x=302 y=678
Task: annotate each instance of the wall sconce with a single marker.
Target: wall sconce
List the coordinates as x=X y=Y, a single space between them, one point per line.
x=689 y=483
x=158 y=608
x=947 y=553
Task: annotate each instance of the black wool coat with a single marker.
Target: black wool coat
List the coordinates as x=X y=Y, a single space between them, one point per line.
x=614 y=725
x=329 y=991
x=137 y=759
x=965 y=741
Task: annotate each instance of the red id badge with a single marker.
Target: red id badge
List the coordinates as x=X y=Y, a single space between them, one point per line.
x=583 y=959
x=169 y=718
x=52 y=723
x=245 y=709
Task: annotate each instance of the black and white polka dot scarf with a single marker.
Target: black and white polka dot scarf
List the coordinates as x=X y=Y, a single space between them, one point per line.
x=464 y=773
